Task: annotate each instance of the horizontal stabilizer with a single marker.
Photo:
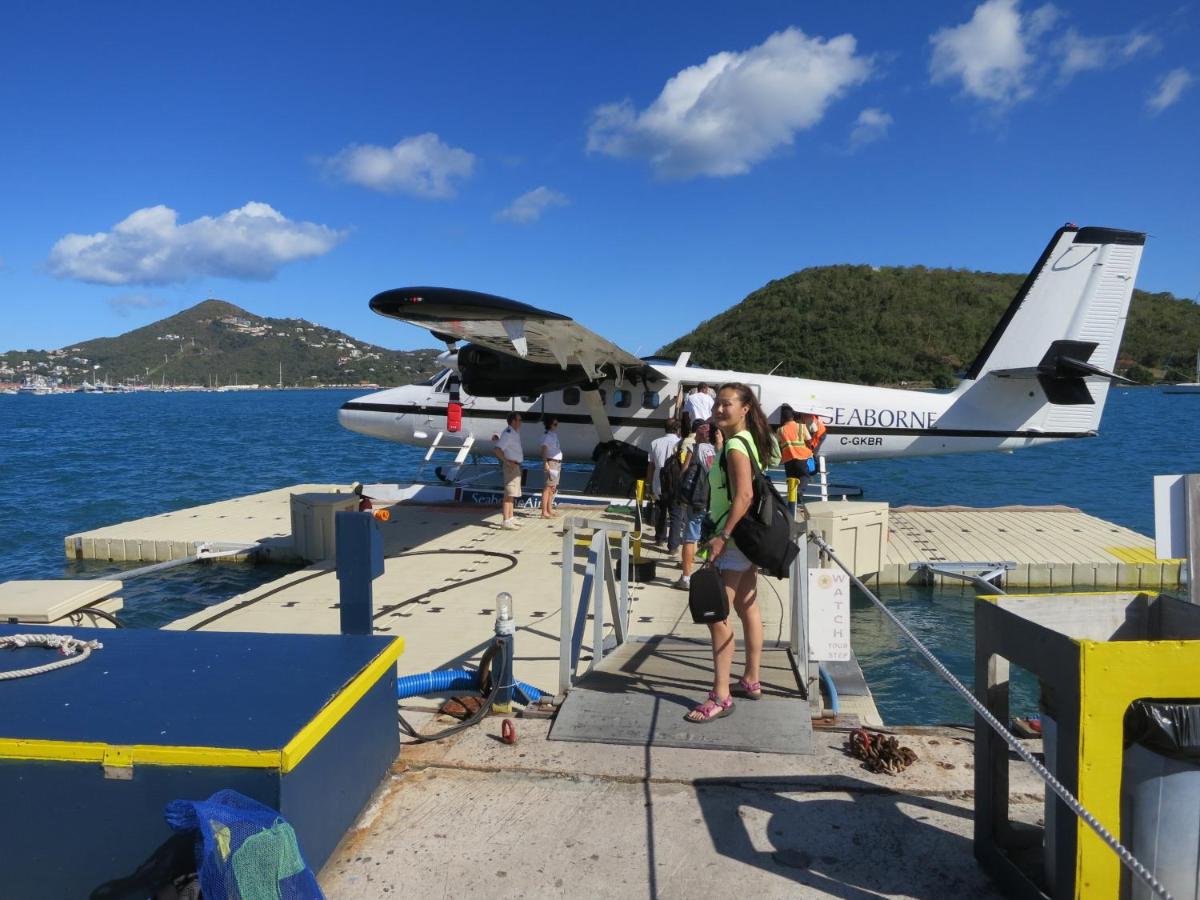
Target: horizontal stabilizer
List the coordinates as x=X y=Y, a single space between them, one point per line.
x=1062 y=370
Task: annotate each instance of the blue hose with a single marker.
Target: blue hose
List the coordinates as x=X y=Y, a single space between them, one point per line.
x=456 y=680
x=438 y=680
x=830 y=688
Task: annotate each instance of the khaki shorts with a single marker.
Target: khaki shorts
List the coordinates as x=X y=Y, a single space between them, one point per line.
x=512 y=478
x=553 y=472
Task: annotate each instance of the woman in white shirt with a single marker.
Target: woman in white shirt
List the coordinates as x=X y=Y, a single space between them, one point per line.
x=551 y=466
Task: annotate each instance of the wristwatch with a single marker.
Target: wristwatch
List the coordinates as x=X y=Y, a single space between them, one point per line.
x=725 y=536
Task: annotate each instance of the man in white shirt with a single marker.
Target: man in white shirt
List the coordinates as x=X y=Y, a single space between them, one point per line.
x=508 y=450
x=660 y=449
x=697 y=407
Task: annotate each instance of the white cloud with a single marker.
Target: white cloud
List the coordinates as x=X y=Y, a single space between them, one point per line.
x=872 y=125
x=733 y=110
x=150 y=247
x=421 y=165
x=1170 y=88
x=528 y=208
x=1080 y=53
x=990 y=54
x=125 y=304
x=1001 y=55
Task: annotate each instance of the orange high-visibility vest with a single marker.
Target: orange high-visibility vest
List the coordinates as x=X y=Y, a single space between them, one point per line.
x=791 y=445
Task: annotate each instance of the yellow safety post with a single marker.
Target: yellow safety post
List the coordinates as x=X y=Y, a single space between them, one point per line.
x=639 y=493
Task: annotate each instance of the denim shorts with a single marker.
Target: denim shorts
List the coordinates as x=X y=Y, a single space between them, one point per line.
x=691 y=533
x=732 y=559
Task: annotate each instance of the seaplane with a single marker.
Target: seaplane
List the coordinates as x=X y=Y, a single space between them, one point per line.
x=1043 y=375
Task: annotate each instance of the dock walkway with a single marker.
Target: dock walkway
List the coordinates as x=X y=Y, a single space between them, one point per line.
x=473 y=816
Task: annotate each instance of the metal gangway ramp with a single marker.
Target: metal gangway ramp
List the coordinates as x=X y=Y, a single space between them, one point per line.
x=629 y=688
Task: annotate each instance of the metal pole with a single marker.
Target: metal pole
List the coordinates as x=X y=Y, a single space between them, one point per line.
x=564 y=619
x=811 y=670
x=1191 y=487
x=603 y=564
x=359 y=548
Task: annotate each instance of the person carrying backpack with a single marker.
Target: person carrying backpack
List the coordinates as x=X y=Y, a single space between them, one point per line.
x=693 y=497
x=660 y=452
x=740 y=418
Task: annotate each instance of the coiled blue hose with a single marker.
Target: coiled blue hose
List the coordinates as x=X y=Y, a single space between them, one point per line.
x=830 y=688
x=456 y=680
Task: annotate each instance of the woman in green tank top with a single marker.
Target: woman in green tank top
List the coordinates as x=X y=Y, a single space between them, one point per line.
x=747 y=437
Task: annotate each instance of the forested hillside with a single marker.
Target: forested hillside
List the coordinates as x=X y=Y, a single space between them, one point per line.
x=216 y=343
x=908 y=325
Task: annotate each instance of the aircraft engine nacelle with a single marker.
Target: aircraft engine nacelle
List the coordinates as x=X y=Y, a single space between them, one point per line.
x=486 y=373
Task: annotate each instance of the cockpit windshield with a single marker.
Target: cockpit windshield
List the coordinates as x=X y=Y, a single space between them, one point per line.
x=437 y=382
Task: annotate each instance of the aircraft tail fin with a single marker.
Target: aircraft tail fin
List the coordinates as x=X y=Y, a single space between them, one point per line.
x=1048 y=363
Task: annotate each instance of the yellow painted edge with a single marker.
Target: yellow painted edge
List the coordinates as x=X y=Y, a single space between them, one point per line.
x=1112 y=675
x=1136 y=555
x=141 y=754
x=992 y=598
x=341 y=703
x=150 y=754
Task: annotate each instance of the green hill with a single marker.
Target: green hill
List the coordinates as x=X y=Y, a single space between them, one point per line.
x=217 y=343
x=907 y=325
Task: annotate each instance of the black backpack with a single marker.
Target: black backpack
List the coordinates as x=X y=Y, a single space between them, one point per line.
x=764 y=533
x=670 y=477
x=693 y=485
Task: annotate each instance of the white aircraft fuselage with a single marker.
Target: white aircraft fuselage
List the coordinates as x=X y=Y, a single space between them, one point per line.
x=863 y=422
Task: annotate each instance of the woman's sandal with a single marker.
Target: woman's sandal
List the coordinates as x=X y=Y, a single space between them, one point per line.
x=750 y=689
x=712 y=708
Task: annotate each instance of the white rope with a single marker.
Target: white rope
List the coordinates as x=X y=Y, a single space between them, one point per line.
x=75 y=651
x=1127 y=858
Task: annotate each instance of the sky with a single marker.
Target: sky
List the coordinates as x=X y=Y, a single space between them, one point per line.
x=638 y=167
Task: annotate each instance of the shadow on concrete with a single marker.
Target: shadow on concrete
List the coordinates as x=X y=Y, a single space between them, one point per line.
x=843 y=836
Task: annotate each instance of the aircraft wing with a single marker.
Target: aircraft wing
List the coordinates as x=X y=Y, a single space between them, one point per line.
x=514 y=329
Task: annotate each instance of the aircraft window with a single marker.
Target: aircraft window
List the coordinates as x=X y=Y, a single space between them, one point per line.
x=622 y=398
x=504 y=399
x=650 y=400
x=571 y=396
x=531 y=398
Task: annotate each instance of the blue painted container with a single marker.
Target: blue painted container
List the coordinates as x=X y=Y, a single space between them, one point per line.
x=91 y=754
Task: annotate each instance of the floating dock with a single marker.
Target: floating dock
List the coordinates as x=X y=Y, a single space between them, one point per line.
x=1055 y=547
x=1052 y=546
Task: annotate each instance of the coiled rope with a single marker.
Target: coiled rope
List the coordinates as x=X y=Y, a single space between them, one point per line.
x=1127 y=858
x=75 y=651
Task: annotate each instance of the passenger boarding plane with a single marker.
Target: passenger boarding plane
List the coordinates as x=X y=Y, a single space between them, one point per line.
x=1042 y=376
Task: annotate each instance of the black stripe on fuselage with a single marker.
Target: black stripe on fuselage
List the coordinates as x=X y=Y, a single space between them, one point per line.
x=652 y=422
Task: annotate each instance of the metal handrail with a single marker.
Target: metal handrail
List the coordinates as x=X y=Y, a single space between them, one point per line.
x=599 y=579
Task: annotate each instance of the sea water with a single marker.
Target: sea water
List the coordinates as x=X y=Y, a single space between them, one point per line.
x=74 y=462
